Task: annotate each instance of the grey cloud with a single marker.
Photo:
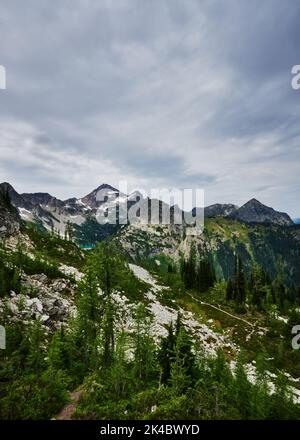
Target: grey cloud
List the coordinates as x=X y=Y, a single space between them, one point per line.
x=168 y=92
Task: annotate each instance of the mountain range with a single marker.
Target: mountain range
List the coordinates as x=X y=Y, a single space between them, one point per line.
x=52 y=213
x=258 y=233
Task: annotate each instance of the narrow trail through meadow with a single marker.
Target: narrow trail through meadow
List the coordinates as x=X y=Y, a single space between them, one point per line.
x=227 y=313
x=67 y=412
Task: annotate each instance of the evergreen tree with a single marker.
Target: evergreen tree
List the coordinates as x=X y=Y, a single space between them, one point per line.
x=182 y=363
x=260 y=287
x=178 y=325
x=282 y=407
x=260 y=400
x=143 y=345
x=89 y=317
x=205 y=276
x=188 y=269
x=119 y=374
x=59 y=354
x=108 y=332
x=239 y=283
x=166 y=354
x=108 y=265
x=242 y=388
x=35 y=357
x=280 y=294
x=69 y=231
x=220 y=370
x=230 y=290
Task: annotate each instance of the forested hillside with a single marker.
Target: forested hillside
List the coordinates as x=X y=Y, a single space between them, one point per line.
x=150 y=335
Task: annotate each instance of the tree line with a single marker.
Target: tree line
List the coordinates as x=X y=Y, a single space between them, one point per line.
x=255 y=288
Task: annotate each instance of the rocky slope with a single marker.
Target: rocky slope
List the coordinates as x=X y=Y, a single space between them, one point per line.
x=39 y=296
x=50 y=301
x=275 y=248
x=9 y=218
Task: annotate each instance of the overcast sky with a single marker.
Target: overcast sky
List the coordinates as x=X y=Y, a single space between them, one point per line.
x=160 y=93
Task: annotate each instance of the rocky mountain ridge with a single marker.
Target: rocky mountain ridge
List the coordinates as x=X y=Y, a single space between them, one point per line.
x=83 y=213
x=255 y=212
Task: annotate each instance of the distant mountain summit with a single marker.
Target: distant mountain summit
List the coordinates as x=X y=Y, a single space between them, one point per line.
x=255 y=212
x=251 y=212
x=98 y=195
